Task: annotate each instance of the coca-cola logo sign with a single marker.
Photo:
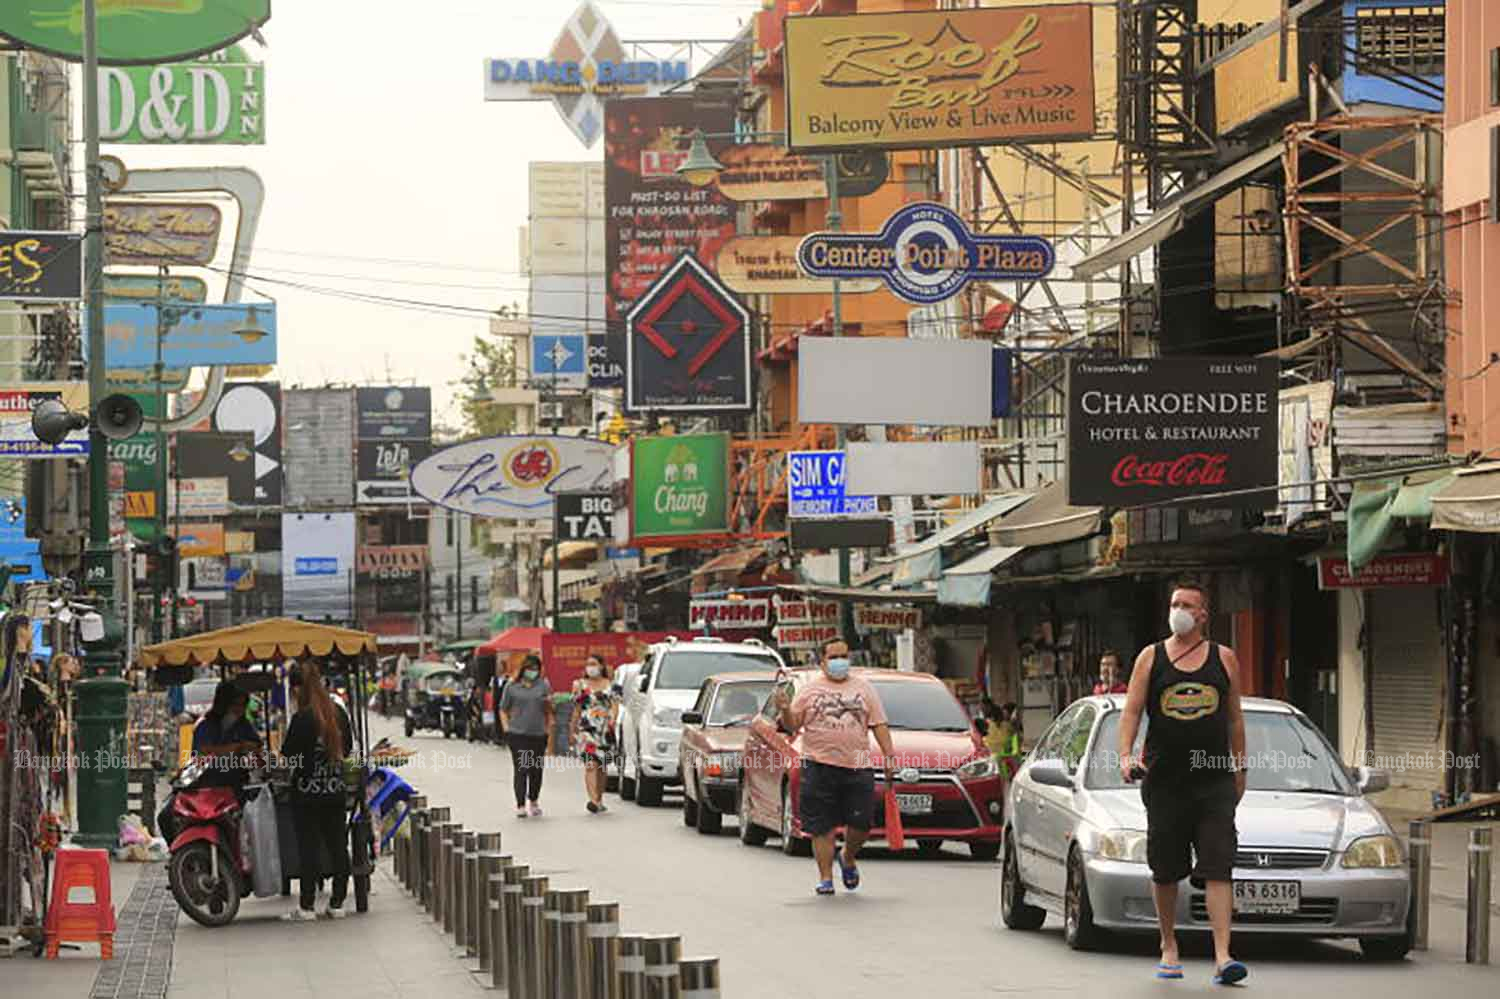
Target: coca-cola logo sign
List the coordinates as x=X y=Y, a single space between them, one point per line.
x=1142 y=432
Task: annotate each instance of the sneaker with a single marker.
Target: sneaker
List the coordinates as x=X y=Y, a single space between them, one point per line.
x=330 y=912
x=536 y=810
x=593 y=808
x=299 y=915
x=603 y=807
x=520 y=812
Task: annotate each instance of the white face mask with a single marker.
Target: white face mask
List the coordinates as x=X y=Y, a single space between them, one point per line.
x=1181 y=621
x=592 y=672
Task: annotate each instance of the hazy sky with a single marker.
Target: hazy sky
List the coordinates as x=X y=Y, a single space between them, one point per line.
x=387 y=172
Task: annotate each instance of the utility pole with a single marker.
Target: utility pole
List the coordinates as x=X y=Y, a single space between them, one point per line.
x=161 y=452
x=834 y=221
x=102 y=696
x=459 y=637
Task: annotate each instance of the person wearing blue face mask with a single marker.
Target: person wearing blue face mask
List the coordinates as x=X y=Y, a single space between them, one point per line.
x=836 y=713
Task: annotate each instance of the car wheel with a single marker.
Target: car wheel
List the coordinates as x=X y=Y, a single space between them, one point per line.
x=929 y=847
x=791 y=844
x=984 y=849
x=750 y=833
x=710 y=820
x=1391 y=948
x=627 y=779
x=690 y=808
x=1014 y=911
x=1079 y=931
x=648 y=791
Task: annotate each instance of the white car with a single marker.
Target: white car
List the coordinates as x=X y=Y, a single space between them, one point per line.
x=622 y=680
x=666 y=686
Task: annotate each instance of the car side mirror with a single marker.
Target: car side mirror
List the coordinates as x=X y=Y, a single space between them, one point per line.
x=1051 y=773
x=692 y=718
x=1372 y=781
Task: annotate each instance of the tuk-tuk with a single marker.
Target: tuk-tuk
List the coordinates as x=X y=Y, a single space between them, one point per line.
x=436 y=698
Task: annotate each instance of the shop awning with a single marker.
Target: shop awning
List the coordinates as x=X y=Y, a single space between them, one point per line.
x=862 y=594
x=731 y=561
x=1470 y=502
x=992 y=510
x=1171 y=216
x=1047 y=520
x=572 y=553
x=270 y=640
x=985 y=562
x=968 y=583
x=1377 y=504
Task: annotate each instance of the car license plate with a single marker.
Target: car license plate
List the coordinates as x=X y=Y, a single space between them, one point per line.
x=915 y=804
x=1267 y=898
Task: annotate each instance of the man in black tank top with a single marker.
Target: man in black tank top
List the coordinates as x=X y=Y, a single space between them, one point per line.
x=1189 y=690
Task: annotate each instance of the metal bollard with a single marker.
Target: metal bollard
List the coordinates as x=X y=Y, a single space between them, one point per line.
x=443 y=848
x=492 y=881
x=465 y=935
x=632 y=978
x=699 y=978
x=1419 y=862
x=551 y=931
x=399 y=845
x=453 y=880
x=533 y=940
x=496 y=931
x=476 y=894
x=572 y=952
x=508 y=964
x=431 y=840
x=1477 y=942
x=662 y=956
x=604 y=950
x=412 y=863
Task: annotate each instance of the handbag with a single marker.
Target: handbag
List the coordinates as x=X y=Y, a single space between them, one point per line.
x=265 y=845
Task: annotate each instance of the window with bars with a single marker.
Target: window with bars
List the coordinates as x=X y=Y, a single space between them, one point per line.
x=1410 y=39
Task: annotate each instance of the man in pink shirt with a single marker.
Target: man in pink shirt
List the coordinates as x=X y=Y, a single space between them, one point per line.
x=836 y=714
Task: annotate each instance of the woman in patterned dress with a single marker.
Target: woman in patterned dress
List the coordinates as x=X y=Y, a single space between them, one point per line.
x=595 y=708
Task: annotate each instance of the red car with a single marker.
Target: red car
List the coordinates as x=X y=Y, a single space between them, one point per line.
x=949 y=785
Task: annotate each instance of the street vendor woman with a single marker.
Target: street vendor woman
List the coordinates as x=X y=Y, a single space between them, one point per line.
x=225 y=739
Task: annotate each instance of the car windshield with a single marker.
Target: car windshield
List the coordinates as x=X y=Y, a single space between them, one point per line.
x=1284 y=753
x=927 y=707
x=737 y=703
x=688 y=670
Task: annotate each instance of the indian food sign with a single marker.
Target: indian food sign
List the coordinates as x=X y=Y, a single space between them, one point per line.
x=939 y=78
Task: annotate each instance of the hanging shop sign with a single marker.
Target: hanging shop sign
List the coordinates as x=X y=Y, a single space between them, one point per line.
x=585 y=516
x=197 y=336
x=150 y=288
x=395 y=411
x=219 y=100
x=255 y=408
x=202 y=456
x=804 y=637
x=41 y=266
x=925 y=253
x=560 y=360
x=679 y=486
x=815 y=487
x=198 y=498
x=384 y=470
x=1384 y=572
x=790 y=612
x=687 y=345
x=1144 y=431
x=939 y=78
x=513 y=476
x=586 y=67
x=158 y=232
x=872 y=618
x=606 y=360
x=197 y=540
x=134 y=32
x=767 y=265
x=16 y=407
x=756 y=172
x=653 y=216
x=390 y=562
x=729 y=615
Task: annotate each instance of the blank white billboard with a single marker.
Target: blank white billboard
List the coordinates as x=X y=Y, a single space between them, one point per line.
x=317 y=566
x=921 y=468
x=939 y=383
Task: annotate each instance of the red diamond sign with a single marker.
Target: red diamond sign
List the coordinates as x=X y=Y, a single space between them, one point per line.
x=687 y=345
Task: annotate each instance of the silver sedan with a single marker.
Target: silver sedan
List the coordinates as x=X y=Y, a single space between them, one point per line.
x=1315 y=858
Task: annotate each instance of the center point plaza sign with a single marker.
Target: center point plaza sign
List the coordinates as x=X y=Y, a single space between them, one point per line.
x=587 y=66
x=939 y=78
x=925 y=254
x=516 y=477
x=1145 y=431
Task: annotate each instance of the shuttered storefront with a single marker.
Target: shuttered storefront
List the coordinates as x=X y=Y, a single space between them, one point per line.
x=1408 y=688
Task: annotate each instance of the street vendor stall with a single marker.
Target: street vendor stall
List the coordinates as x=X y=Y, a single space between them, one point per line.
x=249 y=654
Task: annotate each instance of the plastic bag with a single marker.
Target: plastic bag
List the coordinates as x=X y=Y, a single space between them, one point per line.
x=133 y=832
x=265 y=847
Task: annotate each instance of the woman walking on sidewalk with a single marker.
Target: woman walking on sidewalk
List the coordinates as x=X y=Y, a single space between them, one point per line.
x=594 y=710
x=527 y=712
x=317 y=741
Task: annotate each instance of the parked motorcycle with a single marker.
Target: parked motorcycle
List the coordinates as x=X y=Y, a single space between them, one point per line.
x=209 y=858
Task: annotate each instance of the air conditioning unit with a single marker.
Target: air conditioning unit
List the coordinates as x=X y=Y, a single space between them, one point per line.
x=549 y=412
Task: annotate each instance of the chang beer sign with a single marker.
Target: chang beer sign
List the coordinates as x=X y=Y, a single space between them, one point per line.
x=680 y=487
x=218 y=100
x=133 y=32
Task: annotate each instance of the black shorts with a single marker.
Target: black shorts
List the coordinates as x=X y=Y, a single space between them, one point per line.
x=834 y=796
x=1185 y=818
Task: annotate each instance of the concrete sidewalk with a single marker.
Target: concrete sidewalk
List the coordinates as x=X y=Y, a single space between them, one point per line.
x=1450 y=863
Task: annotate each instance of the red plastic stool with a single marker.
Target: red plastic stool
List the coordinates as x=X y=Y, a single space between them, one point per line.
x=81 y=922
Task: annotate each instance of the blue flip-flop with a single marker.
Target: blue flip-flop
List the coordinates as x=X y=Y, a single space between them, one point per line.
x=1170 y=971
x=850 y=873
x=824 y=887
x=1232 y=973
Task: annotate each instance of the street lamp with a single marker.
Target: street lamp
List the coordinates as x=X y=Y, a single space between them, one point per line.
x=700 y=168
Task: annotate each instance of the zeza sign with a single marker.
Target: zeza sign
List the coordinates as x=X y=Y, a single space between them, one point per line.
x=215 y=101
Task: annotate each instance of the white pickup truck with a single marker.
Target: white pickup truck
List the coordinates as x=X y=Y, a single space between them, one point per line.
x=655 y=698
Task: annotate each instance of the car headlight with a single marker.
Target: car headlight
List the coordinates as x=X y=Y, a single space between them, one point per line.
x=985 y=766
x=1373 y=851
x=668 y=716
x=1126 y=845
x=721 y=765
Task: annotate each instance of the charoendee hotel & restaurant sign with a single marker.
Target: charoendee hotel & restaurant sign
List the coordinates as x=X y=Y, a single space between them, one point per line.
x=1146 y=431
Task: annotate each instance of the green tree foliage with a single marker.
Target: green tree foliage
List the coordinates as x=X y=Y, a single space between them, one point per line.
x=491 y=363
